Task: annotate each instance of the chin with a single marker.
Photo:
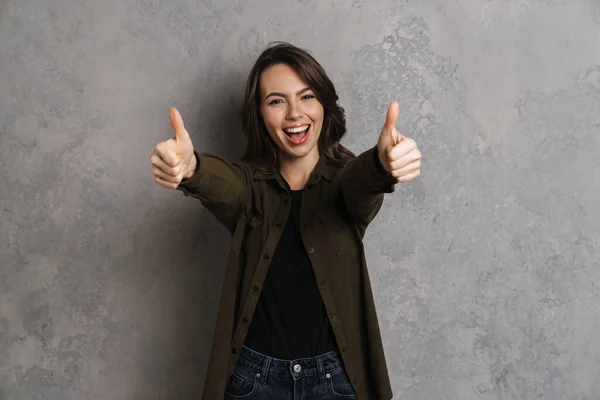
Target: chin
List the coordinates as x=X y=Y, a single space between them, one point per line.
x=299 y=153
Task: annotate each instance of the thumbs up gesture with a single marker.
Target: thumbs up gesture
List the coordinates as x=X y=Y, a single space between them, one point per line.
x=174 y=159
x=398 y=154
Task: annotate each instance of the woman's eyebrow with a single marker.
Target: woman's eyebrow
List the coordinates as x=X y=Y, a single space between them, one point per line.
x=298 y=93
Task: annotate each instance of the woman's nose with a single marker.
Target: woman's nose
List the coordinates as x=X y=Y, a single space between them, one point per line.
x=293 y=110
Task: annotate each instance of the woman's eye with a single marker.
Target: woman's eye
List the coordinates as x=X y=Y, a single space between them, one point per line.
x=308 y=96
x=276 y=101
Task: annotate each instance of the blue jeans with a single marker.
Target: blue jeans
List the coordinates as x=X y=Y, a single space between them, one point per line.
x=260 y=377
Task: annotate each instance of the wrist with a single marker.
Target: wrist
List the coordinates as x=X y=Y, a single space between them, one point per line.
x=191 y=168
x=379 y=163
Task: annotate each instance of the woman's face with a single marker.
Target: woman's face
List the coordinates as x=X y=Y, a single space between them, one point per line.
x=292 y=114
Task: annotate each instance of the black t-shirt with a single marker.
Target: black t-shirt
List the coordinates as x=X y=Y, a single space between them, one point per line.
x=290 y=320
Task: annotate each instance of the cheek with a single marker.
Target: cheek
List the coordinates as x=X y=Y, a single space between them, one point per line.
x=272 y=129
x=272 y=132
x=318 y=120
x=270 y=121
x=317 y=114
x=271 y=118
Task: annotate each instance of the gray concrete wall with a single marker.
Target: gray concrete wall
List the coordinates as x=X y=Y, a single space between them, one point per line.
x=486 y=269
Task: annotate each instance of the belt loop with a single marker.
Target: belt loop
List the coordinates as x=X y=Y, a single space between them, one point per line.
x=320 y=369
x=265 y=370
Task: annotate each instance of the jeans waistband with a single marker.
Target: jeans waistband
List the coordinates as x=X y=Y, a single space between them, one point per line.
x=265 y=365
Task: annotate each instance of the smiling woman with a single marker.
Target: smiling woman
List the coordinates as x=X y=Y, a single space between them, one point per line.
x=289 y=117
x=293 y=118
x=285 y=88
x=297 y=317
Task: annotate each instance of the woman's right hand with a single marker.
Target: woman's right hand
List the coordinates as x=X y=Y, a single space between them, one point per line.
x=174 y=160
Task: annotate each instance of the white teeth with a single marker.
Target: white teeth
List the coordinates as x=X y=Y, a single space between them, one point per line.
x=296 y=130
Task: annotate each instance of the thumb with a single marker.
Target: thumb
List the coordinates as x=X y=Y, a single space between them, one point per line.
x=390 y=118
x=181 y=134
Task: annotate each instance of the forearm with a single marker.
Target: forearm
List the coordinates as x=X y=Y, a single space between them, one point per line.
x=364 y=183
x=219 y=184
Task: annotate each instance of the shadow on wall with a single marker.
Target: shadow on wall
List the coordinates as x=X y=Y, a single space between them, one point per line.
x=197 y=278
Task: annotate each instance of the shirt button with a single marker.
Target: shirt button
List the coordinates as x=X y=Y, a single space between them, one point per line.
x=297 y=368
x=344 y=349
x=355 y=381
x=245 y=320
x=255 y=288
x=266 y=256
x=311 y=250
x=234 y=351
x=333 y=316
x=322 y=283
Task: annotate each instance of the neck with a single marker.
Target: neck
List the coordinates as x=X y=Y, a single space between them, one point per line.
x=297 y=170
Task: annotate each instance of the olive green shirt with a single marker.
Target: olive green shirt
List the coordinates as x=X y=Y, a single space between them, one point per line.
x=337 y=205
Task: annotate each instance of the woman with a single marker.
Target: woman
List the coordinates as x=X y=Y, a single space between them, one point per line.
x=297 y=318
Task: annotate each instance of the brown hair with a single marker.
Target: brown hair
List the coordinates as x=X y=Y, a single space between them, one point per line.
x=260 y=148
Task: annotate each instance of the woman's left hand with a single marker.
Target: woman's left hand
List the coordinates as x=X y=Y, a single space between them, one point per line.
x=398 y=154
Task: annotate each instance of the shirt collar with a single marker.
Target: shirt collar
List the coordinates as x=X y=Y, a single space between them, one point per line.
x=324 y=169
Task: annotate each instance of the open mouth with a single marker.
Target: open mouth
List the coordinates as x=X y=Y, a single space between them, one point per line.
x=297 y=135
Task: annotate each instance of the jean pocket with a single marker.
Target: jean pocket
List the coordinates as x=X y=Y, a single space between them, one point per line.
x=339 y=385
x=243 y=384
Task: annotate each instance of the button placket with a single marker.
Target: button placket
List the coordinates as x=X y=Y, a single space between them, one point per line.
x=255 y=289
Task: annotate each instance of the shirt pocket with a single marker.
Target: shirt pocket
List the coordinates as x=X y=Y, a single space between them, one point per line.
x=341 y=235
x=253 y=221
x=253 y=231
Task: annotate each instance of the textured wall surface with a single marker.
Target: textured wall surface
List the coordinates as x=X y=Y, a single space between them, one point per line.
x=486 y=269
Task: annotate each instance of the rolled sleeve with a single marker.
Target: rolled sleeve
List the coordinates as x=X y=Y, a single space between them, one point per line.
x=220 y=185
x=364 y=182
